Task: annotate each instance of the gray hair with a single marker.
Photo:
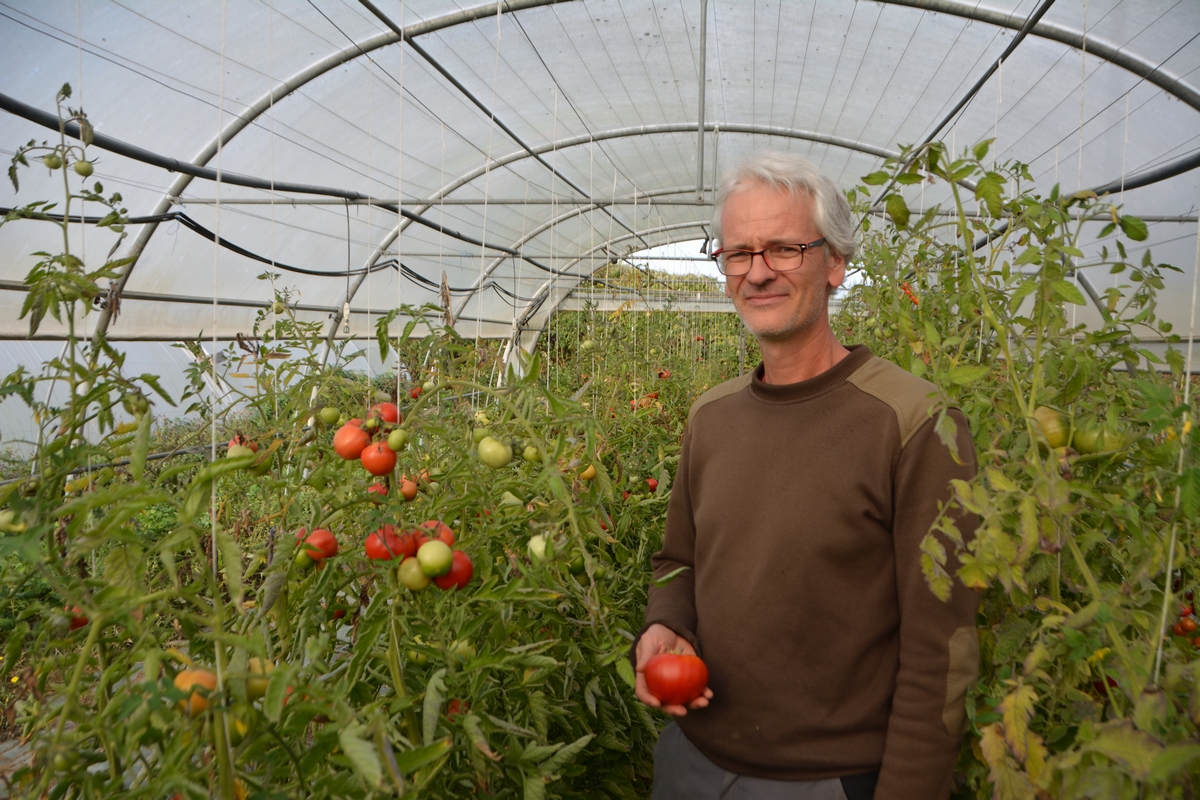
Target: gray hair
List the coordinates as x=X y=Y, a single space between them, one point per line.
x=793 y=174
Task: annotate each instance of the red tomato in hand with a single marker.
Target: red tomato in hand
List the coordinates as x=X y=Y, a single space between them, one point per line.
x=319 y=545
x=438 y=530
x=461 y=571
x=386 y=412
x=350 y=441
x=676 y=679
x=378 y=458
x=384 y=545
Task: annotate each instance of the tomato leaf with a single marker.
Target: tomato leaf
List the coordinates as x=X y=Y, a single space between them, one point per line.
x=362 y=754
x=412 y=760
x=670 y=576
x=535 y=788
x=431 y=709
x=478 y=739
x=1016 y=710
x=875 y=178
x=967 y=374
x=1134 y=228
x=231 y=555
x=897 y=209
x=564 y=756
x=277 y=691
x=1173 y=759
x=1129 y=747
x=625 y=670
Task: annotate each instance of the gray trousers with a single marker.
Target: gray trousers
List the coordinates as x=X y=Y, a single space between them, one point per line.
x=681 y=772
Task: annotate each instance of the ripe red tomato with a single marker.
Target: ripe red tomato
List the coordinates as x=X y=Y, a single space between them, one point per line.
x=243 y=441
x=1188 y=624
x=1099 y=685
x=379 y=489
x=384 y=545
x=663 y=374
x=676 y=679
x=455 y=709
x=1178 y=628
x=378 y=458
x=409 y=490
x=439 y=529
x=652 y=483
x=1185 y=611
x=78 y=618
x=350 y=441
x=461 y=571
x=386 y=412
x=409 y=543
x=415 y=393
x=319 y=545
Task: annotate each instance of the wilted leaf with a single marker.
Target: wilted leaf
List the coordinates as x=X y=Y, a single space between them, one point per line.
x=1129 y=747
x=431 y=709
x=897 y=209
x=1016 y=709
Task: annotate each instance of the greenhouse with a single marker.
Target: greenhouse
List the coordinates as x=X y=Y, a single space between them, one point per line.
x=350 y=360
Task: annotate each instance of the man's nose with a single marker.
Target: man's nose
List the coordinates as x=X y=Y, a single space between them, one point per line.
x=760 y=271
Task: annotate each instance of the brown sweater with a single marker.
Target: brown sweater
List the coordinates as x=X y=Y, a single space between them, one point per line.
x=800 y=511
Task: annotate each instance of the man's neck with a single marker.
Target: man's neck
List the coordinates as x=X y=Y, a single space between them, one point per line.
x=794 y=361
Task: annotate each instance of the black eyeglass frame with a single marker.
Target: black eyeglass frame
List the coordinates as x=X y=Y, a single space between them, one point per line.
x=804 y=248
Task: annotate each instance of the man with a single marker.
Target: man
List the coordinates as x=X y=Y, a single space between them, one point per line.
x=803 y=493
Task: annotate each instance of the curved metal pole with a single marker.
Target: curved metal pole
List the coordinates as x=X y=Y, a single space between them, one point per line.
x=259 y=107
x=543 y=292
x=1152 y=73
x=540 y=229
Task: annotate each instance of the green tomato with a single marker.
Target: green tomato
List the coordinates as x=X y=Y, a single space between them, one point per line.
x=411 y=577
x=52 y=161
x=462 y=649
x=481 y=418
x=435 y=558
x=576 y=565
x=479 y=434
x=587 y=346
x=531 y=454
x=83 y=168
x=428 y=386
x=420 y=659
x=540 y=548
x=397 y=439
x=329 y=415
x=506 y=499
x=302 y=560
x=494 y=453
x=238 y=451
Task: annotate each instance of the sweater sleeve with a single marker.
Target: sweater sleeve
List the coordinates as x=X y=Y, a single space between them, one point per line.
x=939 y=648
x=674 y=604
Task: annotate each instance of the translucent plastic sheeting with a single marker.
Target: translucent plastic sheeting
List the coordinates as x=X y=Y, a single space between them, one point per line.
x=552 y=138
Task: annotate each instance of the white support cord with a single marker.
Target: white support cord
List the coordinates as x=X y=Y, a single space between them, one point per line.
x=400 y=193
x=1187 y=418
x=487 y=175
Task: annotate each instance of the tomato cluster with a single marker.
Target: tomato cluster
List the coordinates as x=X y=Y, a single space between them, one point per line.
x=1186 y=625
x=426 y=555
x=355 y=440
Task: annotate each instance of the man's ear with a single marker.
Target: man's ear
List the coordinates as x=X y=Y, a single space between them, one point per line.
x=837 y=270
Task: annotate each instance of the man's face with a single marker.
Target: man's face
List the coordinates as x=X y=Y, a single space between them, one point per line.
x=778 y=306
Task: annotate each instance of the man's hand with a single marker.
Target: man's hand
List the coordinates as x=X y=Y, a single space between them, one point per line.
x=661 y=639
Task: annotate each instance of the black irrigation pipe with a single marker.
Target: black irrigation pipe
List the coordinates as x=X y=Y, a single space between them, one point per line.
x=48 y=120
x=193 y=225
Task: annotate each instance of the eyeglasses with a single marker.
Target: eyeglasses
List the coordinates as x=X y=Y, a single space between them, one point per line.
x=779 y=257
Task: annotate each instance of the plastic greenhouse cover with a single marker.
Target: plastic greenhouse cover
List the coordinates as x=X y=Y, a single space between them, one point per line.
x=534 y=146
